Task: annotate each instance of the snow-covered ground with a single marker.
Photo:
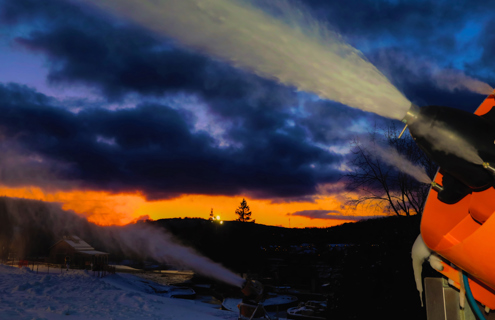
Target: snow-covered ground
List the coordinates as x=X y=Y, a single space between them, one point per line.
x=78 y=294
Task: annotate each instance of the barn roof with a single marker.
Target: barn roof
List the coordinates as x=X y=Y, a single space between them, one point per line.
x=93 y=253
x=79 y=245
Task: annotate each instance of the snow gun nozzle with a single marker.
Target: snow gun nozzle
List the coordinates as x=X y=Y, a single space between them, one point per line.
x=411 y=115
x=437 y=187
x=489 y=167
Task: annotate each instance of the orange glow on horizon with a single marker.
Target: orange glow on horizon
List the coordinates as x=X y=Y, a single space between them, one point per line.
x=104 y=208
x=101 y=208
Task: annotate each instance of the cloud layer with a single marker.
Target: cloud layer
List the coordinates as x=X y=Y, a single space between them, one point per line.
x=153 y=148
x=171 y=121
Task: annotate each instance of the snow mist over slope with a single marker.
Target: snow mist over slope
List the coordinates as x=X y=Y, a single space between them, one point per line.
x=24 y=221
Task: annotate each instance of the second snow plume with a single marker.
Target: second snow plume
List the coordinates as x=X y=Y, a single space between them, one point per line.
x=392 y=157
x=292 y=48
x=456 y=80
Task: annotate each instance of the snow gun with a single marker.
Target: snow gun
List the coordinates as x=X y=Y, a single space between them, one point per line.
x=457 y=225
x=252 y=289
x=252 y=303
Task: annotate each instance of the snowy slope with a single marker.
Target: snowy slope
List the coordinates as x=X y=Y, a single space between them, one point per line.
x=27 y=295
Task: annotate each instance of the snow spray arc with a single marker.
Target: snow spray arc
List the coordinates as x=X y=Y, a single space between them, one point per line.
x=29 y=221
x=292 y=48
x=289 y=46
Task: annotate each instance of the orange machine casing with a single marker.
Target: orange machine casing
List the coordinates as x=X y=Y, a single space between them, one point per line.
x=464 y=233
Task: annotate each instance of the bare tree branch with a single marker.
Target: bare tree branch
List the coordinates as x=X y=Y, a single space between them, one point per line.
x=379 y=184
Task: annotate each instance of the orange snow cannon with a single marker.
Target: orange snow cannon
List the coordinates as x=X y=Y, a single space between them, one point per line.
x=458 y=222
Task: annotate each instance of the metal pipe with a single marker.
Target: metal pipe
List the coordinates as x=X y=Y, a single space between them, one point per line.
x=489 y=167
x=403 y=130
x=437 y=187
x=474 y=306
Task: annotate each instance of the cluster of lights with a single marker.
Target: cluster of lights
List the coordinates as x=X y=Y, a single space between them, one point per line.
x=217 y=218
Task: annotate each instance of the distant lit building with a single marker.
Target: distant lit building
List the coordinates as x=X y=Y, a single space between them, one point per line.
x=80 y=253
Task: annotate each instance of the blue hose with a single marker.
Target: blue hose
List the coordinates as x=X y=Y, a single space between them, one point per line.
x=472 y=302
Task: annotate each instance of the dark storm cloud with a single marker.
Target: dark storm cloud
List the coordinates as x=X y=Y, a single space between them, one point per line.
x=487 y=43
x=152 y=148
x=118 y=58
x=333 y=123
x=327 y=214
x=416 y=80
x=115 y=60
x=155 y=148
x=425 y=19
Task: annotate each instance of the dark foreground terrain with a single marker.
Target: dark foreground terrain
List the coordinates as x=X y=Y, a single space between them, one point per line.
x=363 y=268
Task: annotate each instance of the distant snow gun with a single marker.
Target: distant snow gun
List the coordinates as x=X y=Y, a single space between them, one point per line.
x=457 y=224
x=252 y=303
x=252 y=289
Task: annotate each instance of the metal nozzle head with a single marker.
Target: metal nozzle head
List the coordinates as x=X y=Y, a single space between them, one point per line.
x=489 y=167
x=437 y=187
x=411 y=115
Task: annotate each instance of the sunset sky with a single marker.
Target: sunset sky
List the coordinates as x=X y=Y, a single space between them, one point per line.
x=118 y=123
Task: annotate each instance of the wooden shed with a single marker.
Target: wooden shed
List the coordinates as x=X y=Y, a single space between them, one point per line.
x=80 y=253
